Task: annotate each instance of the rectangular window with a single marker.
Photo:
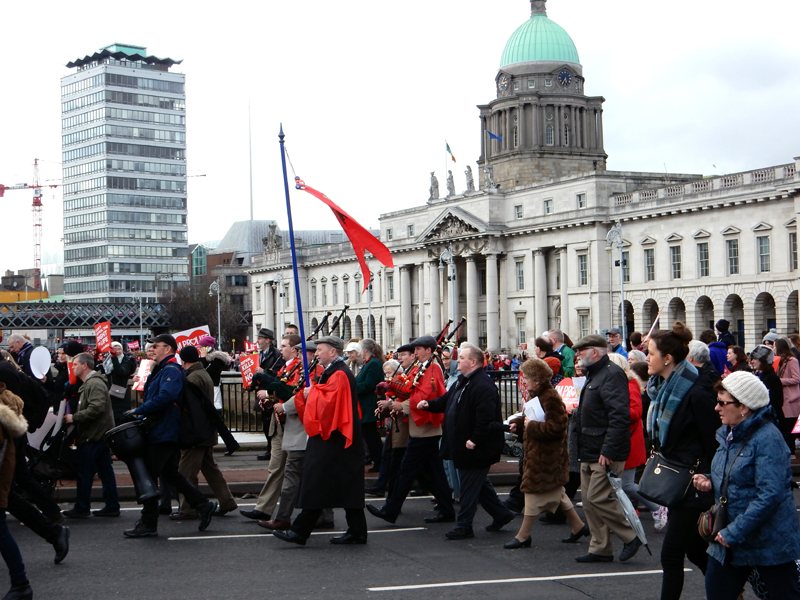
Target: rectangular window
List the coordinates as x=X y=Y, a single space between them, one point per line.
x=324 y=295
x=521 y=329
x=258 y=298
x=313 y=295
x=482 y=281
x=518 y=211
x=390 y=332
x=548 y=206
x=410 y=231
x=626 y=269
x=346 y=292
x=649 y=264
x=793 y=251
x=482 y=335
x=558 y=272
x=369 y=291
x=520 y=275
x=548 y=83
x=531 y=84
x=390 y=287
x=388 y=234
x=583 y=269
x=763 y=253
x=335 y=291
x=702 y=259
x=516 y=85
x=580 y=200
x=583 y=323
x=675 y=261
x=733 y=256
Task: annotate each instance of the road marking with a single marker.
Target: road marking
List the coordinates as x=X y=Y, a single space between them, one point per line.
x=266 y=535
x=514 y=580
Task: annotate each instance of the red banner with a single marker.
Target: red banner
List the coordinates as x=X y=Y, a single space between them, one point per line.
x=133 y=345
x=568 y=393
x=248 y=365
x=250 y=347
x=191 y=337
x=72 y=379
x=102 y=335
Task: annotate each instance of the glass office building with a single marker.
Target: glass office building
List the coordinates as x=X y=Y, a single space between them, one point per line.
x=124 y=176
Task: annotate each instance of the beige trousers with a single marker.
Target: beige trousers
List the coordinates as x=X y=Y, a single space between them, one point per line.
x=603 y=511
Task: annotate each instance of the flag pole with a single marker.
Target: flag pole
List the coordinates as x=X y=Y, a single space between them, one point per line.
x=294 y=257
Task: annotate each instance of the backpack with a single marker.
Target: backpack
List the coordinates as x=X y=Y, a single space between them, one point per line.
x=196 y=425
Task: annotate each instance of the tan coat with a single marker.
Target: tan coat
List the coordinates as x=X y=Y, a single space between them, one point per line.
x=12 y=425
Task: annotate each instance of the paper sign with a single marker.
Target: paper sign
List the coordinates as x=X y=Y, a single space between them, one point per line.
x=534 y=410
x=191 y=337
x=566 y=389
x=102 y=335
x=523 y=390
x=250 y=347
x=142 y=373
x=133 y=345
x=796 y=427
x=72 y=379
x=248 y=365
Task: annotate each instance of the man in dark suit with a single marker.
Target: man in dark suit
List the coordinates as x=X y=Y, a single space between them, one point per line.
x=269 y=360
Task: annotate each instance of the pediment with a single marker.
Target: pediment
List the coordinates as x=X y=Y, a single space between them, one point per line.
x=762 y=227
x=647 y=241
x=673 y=237
x=323 y=279
x=702 y=233
x=313 y=280
x=334 y=278
x=791 y=222
x=345 y=276
x=626 y=243
x=357 y=275
x=453 y=223
x=731 y=230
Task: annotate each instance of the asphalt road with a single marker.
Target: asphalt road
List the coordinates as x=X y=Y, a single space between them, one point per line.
x=234 y=559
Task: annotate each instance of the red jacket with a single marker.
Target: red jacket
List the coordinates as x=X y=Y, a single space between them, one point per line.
x=637 y=456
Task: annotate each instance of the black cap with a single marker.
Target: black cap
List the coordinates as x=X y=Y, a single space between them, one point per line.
x=405 y=348
x=164 y=338
x=189 y=354
x=723 y=325
x=426 y=341
x=73 y=348
x=266 y=333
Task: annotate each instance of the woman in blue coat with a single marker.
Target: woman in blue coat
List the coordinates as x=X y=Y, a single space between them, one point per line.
x=762 y=531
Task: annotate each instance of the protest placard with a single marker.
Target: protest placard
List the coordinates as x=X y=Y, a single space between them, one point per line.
x=248 y=365
x=191 y=337
x=102 y=335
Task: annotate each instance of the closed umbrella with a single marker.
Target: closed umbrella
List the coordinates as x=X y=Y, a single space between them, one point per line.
x=627 y=508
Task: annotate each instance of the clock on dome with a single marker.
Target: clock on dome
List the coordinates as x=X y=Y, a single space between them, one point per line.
x=564 y=77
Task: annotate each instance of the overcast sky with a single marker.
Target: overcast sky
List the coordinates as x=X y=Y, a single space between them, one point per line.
x=369 y=90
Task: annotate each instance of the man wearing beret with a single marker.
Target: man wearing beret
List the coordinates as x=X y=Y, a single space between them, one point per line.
x=269 y=361
x=602 y=426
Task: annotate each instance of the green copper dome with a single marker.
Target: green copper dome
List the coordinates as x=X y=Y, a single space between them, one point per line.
x=539 y=39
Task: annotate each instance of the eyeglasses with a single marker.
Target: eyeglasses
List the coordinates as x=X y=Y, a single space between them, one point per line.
x=723 y=402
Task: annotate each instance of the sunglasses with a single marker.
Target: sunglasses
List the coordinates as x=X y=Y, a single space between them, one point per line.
x=724 y=402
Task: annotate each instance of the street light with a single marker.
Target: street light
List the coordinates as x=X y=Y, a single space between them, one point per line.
x=138 y=297
x=214 y=287
x=277 y=284
x=446 y=261
x=614 y=240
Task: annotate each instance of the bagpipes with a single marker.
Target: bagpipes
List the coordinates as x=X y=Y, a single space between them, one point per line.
x=301 y=382
x=319 y=327
x=443 y=338
x=339 y=318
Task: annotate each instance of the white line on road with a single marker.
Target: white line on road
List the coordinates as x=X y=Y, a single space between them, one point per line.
x=266 y=535
x=514 y=580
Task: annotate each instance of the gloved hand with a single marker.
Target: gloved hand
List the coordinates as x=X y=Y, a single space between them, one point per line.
x=128 y=416
x=382 y=387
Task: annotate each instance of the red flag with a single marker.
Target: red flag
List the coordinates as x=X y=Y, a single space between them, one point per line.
x=361 y=238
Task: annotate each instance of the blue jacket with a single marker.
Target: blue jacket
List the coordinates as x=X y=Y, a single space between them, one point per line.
x=718 y=352
x=163 y=399
x=762 y=529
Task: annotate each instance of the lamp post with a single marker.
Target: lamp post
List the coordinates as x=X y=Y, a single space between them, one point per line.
x=138 y=297
x=214 y=287
x=277 y=284
x=614 y=240
x=446 y=262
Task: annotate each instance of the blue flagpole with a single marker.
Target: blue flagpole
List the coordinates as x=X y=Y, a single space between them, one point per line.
x=294 y=257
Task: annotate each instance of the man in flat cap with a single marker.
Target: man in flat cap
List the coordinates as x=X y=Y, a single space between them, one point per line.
x=423 y=382
x=614 y=339
x=269 y=361
x=602 y=426
x=333 y=466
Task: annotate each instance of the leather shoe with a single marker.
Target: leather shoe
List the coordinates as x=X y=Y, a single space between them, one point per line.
x=381 y=514
x=630 y=549
x=574 y=537
x=417 y=493
x=61 y=545
x=256 y=515
x=19 y=592
x=515 y=543
x=181 y=516
x=205 y=512
x=106 y=512
x=265 y=456
x=348 y=538
x=375 y=491
x=440 y=518
x=459 y=533
x=74 y=513
x=498 y=525
x=274 y=525
x=222 y=512
x=289 y=536
x=592 y=558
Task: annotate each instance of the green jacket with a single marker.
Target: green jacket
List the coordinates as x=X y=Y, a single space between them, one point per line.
x=568 y=362
x=95 y=415
x=198 y=376
x=370 y=375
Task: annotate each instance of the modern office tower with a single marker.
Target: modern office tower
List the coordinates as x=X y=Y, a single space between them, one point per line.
x=124 y=160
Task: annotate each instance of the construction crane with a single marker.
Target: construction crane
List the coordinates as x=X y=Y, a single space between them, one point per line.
x=37 y=219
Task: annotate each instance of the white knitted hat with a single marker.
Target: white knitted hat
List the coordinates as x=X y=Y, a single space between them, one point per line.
x=747 y=389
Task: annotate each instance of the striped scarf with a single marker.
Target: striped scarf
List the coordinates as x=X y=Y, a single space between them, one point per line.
x=666 y=396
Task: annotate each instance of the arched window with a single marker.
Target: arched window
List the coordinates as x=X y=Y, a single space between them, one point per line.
x=566 y=135
x=548 y=135
x=516 y=138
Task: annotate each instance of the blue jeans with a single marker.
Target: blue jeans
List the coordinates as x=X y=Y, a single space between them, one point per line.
x=476 y=488
x=10 y=552
x=727 y=581
x=95 y=457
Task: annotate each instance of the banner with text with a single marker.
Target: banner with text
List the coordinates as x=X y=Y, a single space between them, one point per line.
x=142 y=373
x=191 y=337
x=102 y=335
x=133 y=345
x=248 y=365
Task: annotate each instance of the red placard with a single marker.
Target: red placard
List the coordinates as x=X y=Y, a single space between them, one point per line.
x=102 y=335
x=191 y=337
x=568 y=393
x=248 y=365
x=72 y=379
x=133 y=345
x=250 y=346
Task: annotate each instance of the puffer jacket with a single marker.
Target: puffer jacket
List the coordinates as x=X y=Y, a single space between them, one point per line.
x=12 y=425
x=762 y=529
x=163 y=400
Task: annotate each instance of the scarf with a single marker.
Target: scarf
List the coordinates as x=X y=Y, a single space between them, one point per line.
x=666 y=396
x=108 y=365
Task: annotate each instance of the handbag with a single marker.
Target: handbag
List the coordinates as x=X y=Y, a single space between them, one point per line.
x=665 y=481
x=715 y=519
x=118 y=391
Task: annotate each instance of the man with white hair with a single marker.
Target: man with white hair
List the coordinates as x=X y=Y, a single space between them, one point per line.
x=602 y=426
x=556 y=337
x=21 y=347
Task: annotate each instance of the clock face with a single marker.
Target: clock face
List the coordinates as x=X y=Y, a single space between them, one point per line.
x=502 y=85
x=564 y=77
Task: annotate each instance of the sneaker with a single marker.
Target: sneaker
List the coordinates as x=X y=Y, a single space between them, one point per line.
x=74 y=513
x=660 y=518
x=141 y=530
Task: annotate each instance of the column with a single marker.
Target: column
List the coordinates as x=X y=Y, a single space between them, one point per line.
x=505 y=317
x=436 y=303
x=600 y=128
x=492 y=305
x=565 y=314
x=484 y=147
x=472 y=300
x=405 y=304
x=521 y=127
x=540 y=292
x=535 y=143
x=422 y=326
x=269 y=306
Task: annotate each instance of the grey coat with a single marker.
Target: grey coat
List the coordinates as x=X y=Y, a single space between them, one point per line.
x=294 y=434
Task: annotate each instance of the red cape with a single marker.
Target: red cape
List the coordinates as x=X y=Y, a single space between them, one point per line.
x=430 y=386
x=328 y=408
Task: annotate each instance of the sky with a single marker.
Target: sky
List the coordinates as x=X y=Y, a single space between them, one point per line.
x=368 y=92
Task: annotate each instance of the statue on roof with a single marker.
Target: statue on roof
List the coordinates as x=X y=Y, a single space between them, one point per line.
x=451 y=186
x=434 y=187
x=490 y=183
x=470 y=180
